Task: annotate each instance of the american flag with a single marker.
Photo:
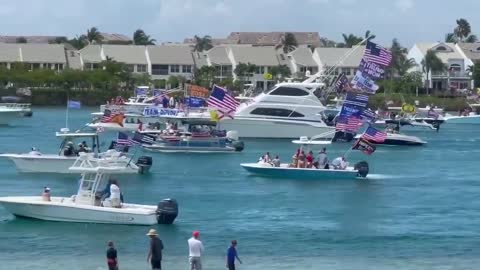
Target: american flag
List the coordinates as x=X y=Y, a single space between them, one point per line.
x=348 y=123
x=341 y=83
x=364 y=146
x=356 y=99
x=221 y=99
x=123 y=139
x=374 y=135
x=107 y=116
x=377 y=54
x=140 y=138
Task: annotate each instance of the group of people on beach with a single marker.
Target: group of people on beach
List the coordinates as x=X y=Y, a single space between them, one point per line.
x=302 y=160
x=154 y=257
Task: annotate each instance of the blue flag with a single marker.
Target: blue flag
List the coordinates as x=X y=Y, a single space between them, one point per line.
x=72 y=104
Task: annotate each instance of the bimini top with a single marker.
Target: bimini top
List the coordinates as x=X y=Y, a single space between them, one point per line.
x=108 y=164
x=65 y=133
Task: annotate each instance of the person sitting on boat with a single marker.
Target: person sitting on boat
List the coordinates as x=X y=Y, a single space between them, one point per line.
x=35 y=152
x=322 y=159
x=276 y=161
x=309 y=159
x=46 y=194
x=69 y=150
x=115 y=197
x=294 y=163
x=267 y=158
x=81 y=149
x=301 y=160
x=340 y=163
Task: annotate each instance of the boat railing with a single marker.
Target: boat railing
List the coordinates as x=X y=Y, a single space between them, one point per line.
x=25 y=106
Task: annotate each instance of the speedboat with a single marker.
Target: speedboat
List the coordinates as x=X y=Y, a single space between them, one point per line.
x=286 y=171
x=86 y=205
x=37 y=162
x=472 y=117
x=12 y=111
x=194 y=136
x=289 y=110
x=397 y=139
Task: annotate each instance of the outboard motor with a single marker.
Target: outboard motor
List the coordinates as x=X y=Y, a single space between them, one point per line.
x=144 y=164
x=232 y=135
x=238 y=145
x=362 y=168
x=167 y=211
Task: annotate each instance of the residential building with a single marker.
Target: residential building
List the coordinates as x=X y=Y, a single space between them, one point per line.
x=135 y=57
x=37 y=56
x=218 y=57
x=455 y=76
x=333 y=61
x=301 y=61
x=168 y=60
x=114 y=38
x=304 y=39
x=470 y=50
x=30 y=39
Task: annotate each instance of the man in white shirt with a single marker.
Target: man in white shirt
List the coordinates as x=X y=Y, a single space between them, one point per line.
x=196 y=249
x=114 y=199
x=340 y=163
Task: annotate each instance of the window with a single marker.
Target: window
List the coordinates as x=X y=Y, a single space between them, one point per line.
x=455 y=67
x=227 y=71
x=347 y=71
x=303 y=69
x=141 y=68
x=260 y=85
x=186 y=69
x=130 y=68
x=159 y=69
x=35 y=65
x=260 y=70
x=288 y=91
x=47 y=66
x=441 y=48
x=174 y=68
x=276 y=112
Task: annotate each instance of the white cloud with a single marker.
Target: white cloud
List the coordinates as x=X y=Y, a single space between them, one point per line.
x=404 y=5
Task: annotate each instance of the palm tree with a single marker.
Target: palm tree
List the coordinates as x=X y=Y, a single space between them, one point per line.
x=369 y=36
x=140 y=38
x=451 y=38
x=404 y=65
x=289 y=42
x=93 y=36
x=351 y=40
x=431 y=63
x=471 y=39
x=79 y=42
x=463 y=29
x=399 y=56
x=203 y=43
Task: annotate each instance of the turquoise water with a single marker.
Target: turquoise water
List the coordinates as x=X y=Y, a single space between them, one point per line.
x=419 y=209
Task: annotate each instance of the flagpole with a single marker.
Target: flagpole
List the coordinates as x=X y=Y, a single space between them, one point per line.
x=66 y=113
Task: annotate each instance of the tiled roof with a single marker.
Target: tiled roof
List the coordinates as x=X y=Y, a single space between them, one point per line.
x=171 y=54
x=331 y=56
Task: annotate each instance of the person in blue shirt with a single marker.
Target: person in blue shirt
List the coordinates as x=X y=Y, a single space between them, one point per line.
x=232 y=255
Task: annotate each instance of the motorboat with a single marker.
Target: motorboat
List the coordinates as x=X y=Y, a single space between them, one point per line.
x=287 y=111
x=398 y=139
x=12 y=111
x=469 y=117
x=86 y=206
x=194 y=136
x=360 y=170
x=38 y=162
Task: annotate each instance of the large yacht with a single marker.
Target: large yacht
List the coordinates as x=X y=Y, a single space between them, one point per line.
x=288 y=110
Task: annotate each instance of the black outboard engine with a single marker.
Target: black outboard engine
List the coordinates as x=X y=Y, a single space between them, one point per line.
x=362 y=168
x=238 y=145
x=144 y=164
x=167 y=211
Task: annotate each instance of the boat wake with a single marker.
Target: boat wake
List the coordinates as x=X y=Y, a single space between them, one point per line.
x=376 y=176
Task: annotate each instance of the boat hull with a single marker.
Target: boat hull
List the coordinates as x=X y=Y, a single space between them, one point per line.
x=274 y=128
x=299 y=173
x=398 y=140
x=471 y=120
x=183 y=149
x=60 y=209
x=46 y=163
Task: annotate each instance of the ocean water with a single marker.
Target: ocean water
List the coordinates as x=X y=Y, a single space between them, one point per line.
x=418 y=209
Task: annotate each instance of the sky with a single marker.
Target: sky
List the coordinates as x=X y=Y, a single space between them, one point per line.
x=173 y=20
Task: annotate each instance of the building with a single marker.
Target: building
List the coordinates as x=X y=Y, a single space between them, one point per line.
x=36 y=56
x=455 y=76
x=333 y=61
x=114 y=38
x=31 y=39
x=470 y=50
x=301 y=60
x=168 y=60
x=304 y=39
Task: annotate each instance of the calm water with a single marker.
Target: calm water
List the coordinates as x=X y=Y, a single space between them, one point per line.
x=418 y=210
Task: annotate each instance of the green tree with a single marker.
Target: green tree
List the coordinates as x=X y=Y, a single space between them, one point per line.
x=94 y=36
x=280 y=72
x=351 y=40
x=451 y=38
x=59 y=40
x=431 y=63
x=205 y=76
x=203 y=43
x=173 y=81
x=369 y=35
x=21 y=40
x=289 y=42
x=463 y=29
x=140 y=38
x=79 y=42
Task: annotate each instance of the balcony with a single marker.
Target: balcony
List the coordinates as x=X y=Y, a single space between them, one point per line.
x=450 y=74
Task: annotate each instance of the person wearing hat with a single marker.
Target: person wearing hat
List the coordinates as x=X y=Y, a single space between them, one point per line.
x=46 y=194
x=196 y=249
x=232 y=255
x=81 y=148
x=155 y=251
x=112 y=261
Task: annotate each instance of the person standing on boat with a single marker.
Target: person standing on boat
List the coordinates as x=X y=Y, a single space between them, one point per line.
x=112 y=261
x=114 y=199
x=155 y=251
x=232 y=255
x=276 y=161
x=46 y=194
x=322 y=159
x=196 y=250
x=301 y=160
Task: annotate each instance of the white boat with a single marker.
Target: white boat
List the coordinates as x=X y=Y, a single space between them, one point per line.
x=86 y=206
x=472 y=117
x=37 y=162
x=12 y=111
x=289 y=110
x=398 y=139
x=285 y=171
